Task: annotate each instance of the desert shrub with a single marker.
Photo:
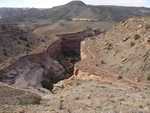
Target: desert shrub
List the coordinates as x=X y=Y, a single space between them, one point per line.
x=125 y=39
x=147 y=26
x=132 y=44
x=3 y=27
x=97 y=65
x=148 y=40
x=23 y=38
x=103 y=62
x=136 y=37
x=19 y=42
x=28 y=45
x=148 y=77
x=5 y=52
x=108 y=46
x=120 y=77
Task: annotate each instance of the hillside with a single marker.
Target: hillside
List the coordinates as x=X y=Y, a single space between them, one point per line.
x=69 y=27
x=122 y=51
x=15 y=40
x=74 y=9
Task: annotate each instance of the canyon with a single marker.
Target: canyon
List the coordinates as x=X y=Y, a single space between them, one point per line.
x=75 y=58
x=54 y=64
x=82 y=72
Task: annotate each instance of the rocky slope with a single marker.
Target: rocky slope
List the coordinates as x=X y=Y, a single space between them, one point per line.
x=15 y=40
x=122 y=51
x=13 y=96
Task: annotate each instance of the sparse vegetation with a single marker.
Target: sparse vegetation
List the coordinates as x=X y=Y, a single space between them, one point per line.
x=132 y=44
x=147 y=26
x=137 y=36
x=112 y=76
x=148 y=77
x=130 y=56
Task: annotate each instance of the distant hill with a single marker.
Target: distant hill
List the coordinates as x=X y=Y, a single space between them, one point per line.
x=74 y=9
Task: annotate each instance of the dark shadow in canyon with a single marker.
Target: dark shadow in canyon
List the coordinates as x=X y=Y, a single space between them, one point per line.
x=70 y=48
x=50 y=66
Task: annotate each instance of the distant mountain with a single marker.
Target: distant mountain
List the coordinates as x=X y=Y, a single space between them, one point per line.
x=74 y=9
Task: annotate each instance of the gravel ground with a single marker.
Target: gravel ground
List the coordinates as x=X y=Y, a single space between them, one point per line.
x=89 y=96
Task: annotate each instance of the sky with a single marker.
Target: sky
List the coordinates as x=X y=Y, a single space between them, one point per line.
x=52 y=3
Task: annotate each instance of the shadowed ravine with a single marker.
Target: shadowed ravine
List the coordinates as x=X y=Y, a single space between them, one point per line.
x=48 y=67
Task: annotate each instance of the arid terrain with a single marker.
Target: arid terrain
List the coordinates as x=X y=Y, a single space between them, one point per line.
x=75 y=58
